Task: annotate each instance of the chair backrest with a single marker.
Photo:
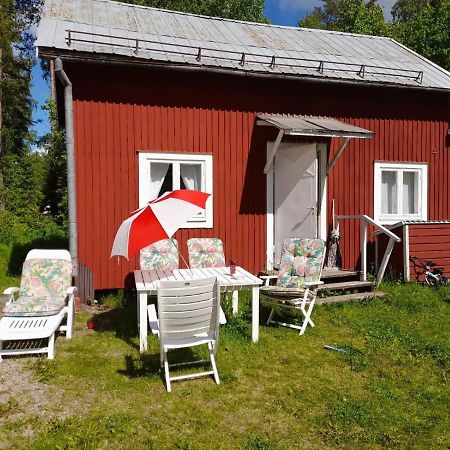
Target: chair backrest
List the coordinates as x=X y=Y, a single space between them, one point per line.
x=188 y=309
x=160 y=255
x=301 y=260
x=46 y=273
x=205 y=252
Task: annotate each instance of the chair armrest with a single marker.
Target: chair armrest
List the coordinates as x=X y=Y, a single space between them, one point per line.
x=267 y=278
x=71 y=290
x=9 y=293
x=11 y=290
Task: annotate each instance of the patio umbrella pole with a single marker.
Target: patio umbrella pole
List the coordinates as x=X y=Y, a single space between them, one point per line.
x=182 y=257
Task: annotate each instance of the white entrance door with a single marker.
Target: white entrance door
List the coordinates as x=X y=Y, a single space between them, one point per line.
x=295 y=193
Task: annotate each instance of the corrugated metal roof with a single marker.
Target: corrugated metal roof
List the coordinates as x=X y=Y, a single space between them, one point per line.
x=314 y=126
x=418 y=222
x=81 y=27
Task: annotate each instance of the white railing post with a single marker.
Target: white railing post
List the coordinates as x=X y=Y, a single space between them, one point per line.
x=386 y=257
x=365 y=221
x=363 y=249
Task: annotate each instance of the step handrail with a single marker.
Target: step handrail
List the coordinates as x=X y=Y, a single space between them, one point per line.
x=393 y=238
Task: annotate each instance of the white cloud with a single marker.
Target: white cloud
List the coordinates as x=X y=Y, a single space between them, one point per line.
x=302 y=5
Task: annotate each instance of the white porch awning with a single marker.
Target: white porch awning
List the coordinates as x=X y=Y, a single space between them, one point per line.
x=293 y=125
x=313 y=126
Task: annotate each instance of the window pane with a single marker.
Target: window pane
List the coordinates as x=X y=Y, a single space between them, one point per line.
x=167 y=182
x=409 y=199
x=159 y=174
x=388 y=192
x=191 y=176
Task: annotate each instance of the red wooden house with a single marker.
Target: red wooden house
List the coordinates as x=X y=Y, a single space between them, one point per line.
x=258 y=115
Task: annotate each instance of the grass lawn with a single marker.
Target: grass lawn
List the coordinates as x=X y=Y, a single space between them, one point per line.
x=389 y=389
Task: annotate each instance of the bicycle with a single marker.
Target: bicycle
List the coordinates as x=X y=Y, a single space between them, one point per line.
x=434 y=276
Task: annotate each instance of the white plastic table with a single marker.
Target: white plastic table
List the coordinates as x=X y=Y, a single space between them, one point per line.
x=147 y=282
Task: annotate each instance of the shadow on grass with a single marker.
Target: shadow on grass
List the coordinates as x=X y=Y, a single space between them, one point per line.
x=119 y=317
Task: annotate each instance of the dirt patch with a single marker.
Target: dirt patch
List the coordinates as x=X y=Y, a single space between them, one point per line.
x=21 y=395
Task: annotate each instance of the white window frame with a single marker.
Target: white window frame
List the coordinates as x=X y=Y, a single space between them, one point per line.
x=422 y=191
x=147 y=158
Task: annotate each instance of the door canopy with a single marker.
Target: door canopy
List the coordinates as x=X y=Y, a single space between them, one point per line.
x=292 y=125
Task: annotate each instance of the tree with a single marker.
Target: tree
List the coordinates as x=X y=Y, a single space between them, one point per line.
x=425 y=29
x=250 y=10
x=8 y=34
x=18 y=191
x=353 y=16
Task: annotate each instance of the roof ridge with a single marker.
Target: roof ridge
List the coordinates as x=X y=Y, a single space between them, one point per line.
x=247 y=22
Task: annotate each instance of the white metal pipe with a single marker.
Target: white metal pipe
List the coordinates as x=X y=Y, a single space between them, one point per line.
x=70 y=150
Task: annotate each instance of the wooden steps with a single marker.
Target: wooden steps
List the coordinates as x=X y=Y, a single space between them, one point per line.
x=348 y=297
x=336 y=273
x=338 y=283
x=345 y=285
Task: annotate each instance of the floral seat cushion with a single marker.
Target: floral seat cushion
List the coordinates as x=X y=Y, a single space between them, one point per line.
x=46 y=278
x=34 y=307
x=205 y=252
x=160 y=255
x=301 y=261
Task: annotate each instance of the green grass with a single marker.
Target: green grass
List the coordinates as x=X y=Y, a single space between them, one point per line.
x=388 y=389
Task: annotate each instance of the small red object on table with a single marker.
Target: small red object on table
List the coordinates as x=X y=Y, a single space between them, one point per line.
x=232 y=267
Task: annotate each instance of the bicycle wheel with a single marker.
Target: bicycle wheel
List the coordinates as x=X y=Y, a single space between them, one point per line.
x=431 y=281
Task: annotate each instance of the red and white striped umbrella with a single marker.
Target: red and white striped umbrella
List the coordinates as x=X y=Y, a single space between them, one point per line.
x=158 y=219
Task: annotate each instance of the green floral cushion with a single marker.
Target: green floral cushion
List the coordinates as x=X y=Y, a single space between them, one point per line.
x=301 y=260
x=205 y=252
x=43 y=278
x=34 y=307
x=160 y=255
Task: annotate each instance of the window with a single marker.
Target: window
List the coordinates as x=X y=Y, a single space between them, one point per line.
x=400 y=192
x=165 y=172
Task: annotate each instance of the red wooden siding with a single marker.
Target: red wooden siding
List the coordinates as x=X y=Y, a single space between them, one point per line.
x=120 y=110
x=430 y=242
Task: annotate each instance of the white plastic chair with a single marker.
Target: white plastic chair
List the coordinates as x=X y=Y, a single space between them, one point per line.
x=45 y=298
x=188 y=316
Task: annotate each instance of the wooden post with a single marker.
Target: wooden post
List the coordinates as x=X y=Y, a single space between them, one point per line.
x=52 y=80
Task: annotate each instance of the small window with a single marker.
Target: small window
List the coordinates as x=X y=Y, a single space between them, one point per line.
x=400 y=192
x=165 y=172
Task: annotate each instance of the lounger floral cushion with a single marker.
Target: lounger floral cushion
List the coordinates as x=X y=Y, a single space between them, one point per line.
x=205 y=252
x=42 y=289
x=34 y=307
x=160 y=255
x=301 y=261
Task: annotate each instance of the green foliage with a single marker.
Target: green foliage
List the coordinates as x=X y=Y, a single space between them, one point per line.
x=250 y=10
x=425 y=29
x=9 y=406
x=353 y=16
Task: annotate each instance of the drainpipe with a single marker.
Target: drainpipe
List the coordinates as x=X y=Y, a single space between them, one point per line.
x=68 y=113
